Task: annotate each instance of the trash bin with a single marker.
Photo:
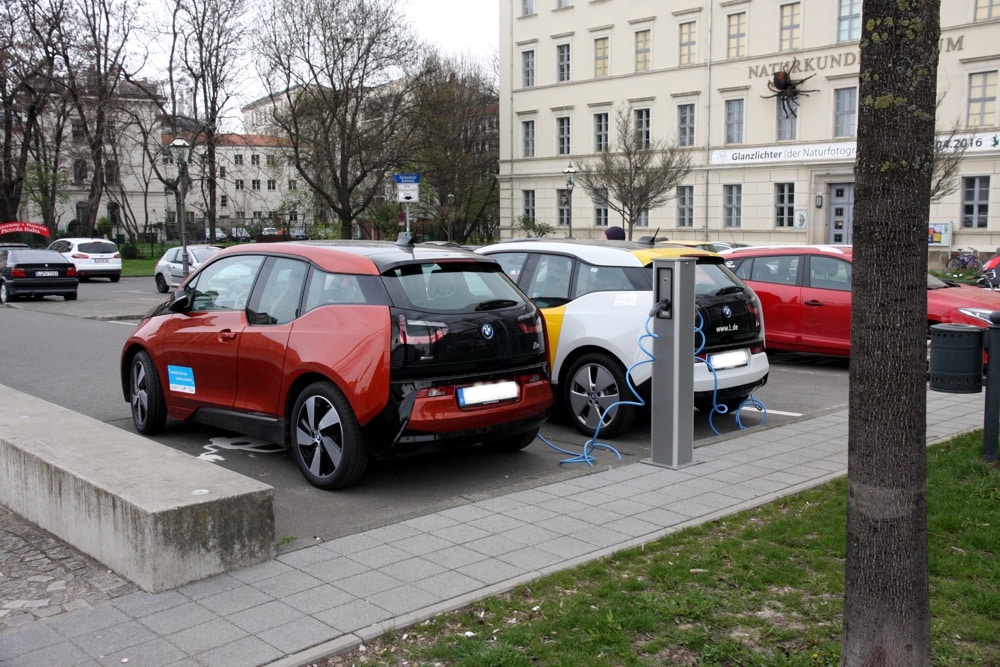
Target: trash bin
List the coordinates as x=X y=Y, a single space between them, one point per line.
x=956 y=365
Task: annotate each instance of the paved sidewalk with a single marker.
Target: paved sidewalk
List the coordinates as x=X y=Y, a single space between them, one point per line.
x=329 y=597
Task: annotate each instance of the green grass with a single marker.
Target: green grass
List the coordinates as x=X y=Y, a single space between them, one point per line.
x=764 y=587
x=144 y=266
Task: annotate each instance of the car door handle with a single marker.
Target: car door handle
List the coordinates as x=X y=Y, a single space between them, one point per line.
x=814 y=303
x=227 y=334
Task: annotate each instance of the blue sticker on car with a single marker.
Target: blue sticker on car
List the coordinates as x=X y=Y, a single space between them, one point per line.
x=181 y=379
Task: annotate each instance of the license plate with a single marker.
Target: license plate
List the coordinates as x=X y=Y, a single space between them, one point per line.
x=480 y=394
x=101 y=260
x=46 y=274
x=733 y=359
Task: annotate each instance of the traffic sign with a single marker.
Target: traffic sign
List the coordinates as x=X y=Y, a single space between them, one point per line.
x=408 y=192
x=406 y=178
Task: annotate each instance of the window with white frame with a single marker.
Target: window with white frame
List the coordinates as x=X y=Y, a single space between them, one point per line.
x=643 y=46
x=987 y=9
x=601 y=208
x=527 y=7
x=732 y=206
x=238 y=158
x=255 y=160
x=527 y=138
x=222 y=172
x=685 y=124
x=736 y=35
x=601 y=57
x=255 y=184
x=562 y=213
x=643 y=131
x=272 y=184
x=238 y=184
x=562 y=62
x=642 y=220
x=528 y=197
x=685 y=206
x=787 y=123
x=975 y=201
x=687 y=44
x=734 y=121
x=223 y=201
x=845 y=112
x=528 y=68
x=292 y=184
x=563 y=3
x=982 y=99
x=600 y=132
x=784 y=204
x=849 y=21
x=562 y=135
x=791 y=26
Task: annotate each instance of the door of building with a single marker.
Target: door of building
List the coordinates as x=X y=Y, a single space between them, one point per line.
x=841 y=213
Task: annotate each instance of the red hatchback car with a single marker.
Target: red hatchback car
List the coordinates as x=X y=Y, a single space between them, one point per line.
x=344 y=351
x=805 y=292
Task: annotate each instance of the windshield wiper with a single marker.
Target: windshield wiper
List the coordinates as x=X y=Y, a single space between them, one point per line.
x=496 y=303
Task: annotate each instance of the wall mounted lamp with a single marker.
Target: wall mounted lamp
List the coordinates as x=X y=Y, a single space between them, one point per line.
x=819 y=201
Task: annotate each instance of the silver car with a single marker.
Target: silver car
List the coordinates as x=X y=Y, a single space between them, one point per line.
x=170 y=268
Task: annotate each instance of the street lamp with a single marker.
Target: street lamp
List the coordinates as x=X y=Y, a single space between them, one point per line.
x=570 y=172
x=451 y=217
x=182 y=153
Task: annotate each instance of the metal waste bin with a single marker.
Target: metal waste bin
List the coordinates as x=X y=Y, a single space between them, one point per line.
x=956 y=365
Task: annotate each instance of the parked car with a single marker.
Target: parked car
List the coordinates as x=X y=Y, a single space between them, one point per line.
x=806 y=295
x=220 y=235
x=28 y=273
x=710 y=246
x=297 y=234
x=344 y=351
x=169 y=270
x=270 y=231
x=240 y=235
x=94 y=258
x=596 y=297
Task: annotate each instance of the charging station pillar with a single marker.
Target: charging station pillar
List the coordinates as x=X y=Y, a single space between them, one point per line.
x=672 y=404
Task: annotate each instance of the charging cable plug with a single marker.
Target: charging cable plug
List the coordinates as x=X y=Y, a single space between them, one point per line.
x=661 y=306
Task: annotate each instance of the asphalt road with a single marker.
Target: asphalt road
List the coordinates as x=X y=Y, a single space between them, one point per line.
x=68 y=353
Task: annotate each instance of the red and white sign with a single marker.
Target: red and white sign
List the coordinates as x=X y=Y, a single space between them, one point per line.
x=24 y=227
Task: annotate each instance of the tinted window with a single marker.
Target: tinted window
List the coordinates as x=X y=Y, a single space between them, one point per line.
x=549 y=283
x=98 y=247
x=713 y=279
x=602 y=279
x=277 y=300
x=201 y=254
x=779 y=269
x=340 y=288
x=450 y=286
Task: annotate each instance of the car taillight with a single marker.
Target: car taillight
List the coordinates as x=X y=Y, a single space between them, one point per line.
x=80 y=255
x=533 y=324
x=420 y=332
x=71 y=272
x=18 y=273
x=117 y=255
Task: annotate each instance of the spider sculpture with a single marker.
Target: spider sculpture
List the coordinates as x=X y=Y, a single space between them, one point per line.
x=787 y=89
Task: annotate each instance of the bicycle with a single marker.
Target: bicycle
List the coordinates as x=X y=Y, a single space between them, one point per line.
x=966 y=259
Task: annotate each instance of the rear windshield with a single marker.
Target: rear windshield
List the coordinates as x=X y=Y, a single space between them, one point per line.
x=451 y=287
x=30 y=256
x=710 y=279
x=201 y=254
x=99 y=247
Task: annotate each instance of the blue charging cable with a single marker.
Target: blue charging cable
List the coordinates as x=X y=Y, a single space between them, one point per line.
x=592 y=444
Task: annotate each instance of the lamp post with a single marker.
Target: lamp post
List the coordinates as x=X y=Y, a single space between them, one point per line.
x=182 y=153
x=570 y=172
x=451 y=217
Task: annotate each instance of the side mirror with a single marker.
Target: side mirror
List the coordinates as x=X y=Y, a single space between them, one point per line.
x=180 y=301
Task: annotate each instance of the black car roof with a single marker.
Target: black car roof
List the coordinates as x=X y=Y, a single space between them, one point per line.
x=383 y=254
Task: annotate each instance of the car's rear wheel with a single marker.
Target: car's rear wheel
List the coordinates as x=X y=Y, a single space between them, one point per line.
x=5 y=294
x=115 y=278
x=326 y=438
x=161 y=283
x=149 y=409
x=595 y=382
x=70 y=297
x=512 y=443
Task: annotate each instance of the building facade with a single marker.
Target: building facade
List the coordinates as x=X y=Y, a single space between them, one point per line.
x=696 y=73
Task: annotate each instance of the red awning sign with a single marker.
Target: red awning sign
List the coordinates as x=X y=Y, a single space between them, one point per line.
x=24 y=227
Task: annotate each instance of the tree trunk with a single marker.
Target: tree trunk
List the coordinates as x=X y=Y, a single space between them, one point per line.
x=886 y=598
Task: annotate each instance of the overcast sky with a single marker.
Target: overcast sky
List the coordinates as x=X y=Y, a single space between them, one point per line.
x=459 y=27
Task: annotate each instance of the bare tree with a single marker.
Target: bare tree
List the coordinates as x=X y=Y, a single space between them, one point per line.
x=886 y=593
x=456 y=146
x=27 y=70
x=92 y=49
x=335 y=71
x=637 y=174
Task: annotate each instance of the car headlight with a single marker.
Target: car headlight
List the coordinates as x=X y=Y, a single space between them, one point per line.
x=977 y=313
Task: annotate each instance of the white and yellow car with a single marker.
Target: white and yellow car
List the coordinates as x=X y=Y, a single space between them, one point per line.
x=596 y=297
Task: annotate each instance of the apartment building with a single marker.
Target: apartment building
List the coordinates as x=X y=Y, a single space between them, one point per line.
x=696 y=73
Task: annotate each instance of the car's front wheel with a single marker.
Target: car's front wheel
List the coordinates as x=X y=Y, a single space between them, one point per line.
x=326 y=439
x=594 y=384
x=149 y=409
x=161 y=283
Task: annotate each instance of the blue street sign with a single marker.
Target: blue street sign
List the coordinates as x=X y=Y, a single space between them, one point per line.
x=407 y=178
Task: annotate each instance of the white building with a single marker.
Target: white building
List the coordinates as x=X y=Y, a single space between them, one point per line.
x=696 y=72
